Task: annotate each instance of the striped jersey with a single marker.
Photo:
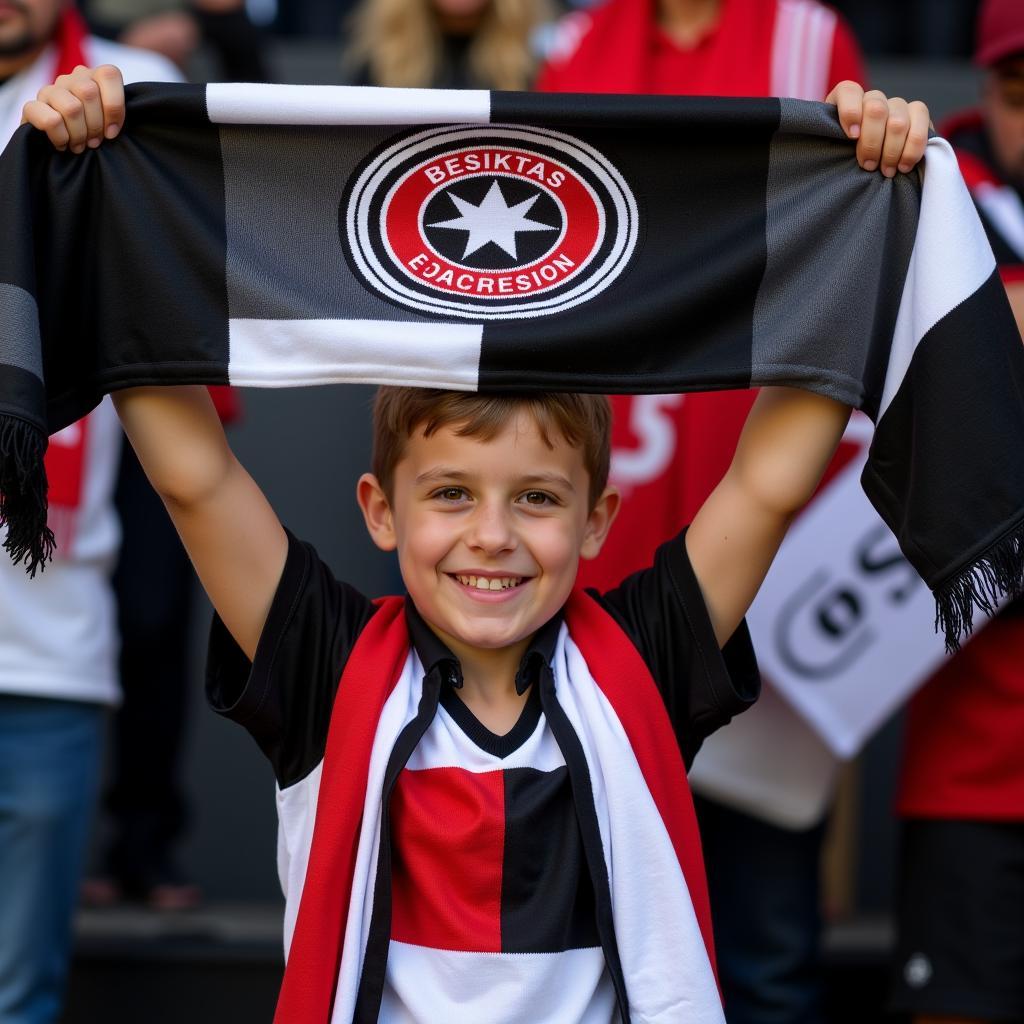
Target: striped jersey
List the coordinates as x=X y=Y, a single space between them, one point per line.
x=491 y=859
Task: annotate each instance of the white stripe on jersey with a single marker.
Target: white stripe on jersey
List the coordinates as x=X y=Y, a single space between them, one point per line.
x=445 y=745
x=428 y=986
x=802 y=50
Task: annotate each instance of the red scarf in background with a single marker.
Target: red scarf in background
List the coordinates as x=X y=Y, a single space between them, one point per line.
x=69 y=38
x=65 y=456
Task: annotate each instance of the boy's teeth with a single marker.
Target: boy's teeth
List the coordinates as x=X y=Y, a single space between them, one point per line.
x=487 y=583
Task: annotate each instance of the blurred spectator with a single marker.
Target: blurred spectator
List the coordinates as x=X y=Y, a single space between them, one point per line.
x=669 y=451
x=960 y=946
x=176 y=29
x=483 y=44
x=145 y=798
x=57 y=634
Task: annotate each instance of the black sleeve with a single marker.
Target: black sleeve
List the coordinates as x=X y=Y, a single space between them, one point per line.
x=285 y=696
x=662 y=611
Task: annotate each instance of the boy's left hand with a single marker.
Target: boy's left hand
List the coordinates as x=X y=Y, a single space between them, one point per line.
x=890 y=133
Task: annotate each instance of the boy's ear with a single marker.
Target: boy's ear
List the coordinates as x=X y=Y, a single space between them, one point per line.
x=376 y=512
x=600 y=522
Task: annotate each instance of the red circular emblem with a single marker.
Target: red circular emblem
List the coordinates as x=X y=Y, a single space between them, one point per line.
x=486 y=221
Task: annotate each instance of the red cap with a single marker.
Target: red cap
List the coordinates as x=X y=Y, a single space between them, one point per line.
x=1000 y=31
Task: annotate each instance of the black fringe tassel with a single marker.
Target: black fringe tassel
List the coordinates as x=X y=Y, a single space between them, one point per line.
x=995 y=574
x=23 y=494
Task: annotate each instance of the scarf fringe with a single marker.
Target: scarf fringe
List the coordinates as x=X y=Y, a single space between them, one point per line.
x=995 y=574
x=23 y=494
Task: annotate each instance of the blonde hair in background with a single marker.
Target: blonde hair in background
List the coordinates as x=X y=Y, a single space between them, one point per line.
x=399 y=41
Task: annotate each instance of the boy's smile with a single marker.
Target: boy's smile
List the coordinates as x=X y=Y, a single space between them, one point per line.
x=489 y=533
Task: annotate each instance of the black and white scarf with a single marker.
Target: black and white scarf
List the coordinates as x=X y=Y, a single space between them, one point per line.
x=290 y=235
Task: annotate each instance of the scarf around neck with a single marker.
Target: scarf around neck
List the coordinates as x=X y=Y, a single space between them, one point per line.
x=628 y=782
x=275 y=236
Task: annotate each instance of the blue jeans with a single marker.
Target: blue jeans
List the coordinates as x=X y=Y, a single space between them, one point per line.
x=763 y=882
x=49 y=768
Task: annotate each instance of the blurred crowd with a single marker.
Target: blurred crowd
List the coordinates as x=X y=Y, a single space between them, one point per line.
x=962 y=793
x=236 y=30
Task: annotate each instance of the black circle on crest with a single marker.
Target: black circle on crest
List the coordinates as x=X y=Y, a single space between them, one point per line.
x=451 y=242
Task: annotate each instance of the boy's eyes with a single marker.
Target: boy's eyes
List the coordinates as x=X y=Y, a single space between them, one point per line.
x=536 y=499
x=450 y=493
x=540 y=499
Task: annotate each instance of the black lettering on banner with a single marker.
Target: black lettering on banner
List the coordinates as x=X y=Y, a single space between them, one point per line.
x=875 y=556
x=839 y=612
x=827 y=622
x=812 y=604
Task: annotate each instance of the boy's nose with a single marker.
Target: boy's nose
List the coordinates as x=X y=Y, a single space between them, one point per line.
x=491 y=528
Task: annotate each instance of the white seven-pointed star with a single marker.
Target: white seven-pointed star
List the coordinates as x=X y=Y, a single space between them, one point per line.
x=492 y=221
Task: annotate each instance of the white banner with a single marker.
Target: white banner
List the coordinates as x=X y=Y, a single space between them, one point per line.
x=843 y=626
x=768 y=763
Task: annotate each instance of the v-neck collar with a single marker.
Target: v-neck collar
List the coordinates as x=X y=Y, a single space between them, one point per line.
x=478 y=733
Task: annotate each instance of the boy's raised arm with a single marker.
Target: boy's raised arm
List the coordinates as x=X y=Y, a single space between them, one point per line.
x=790 y=435
x=228 y=527
x=786 y=445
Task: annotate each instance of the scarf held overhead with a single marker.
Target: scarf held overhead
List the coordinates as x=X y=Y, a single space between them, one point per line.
x=276 y=236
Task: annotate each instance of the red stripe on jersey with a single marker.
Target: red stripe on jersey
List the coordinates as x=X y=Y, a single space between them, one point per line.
x=446 y=881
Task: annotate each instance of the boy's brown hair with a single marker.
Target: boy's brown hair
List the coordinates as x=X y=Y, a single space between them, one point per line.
x=584 y=421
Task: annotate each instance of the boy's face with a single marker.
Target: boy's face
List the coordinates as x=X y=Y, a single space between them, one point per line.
x=489 y=533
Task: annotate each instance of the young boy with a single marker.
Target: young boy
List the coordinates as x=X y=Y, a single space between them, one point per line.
x=483 y=803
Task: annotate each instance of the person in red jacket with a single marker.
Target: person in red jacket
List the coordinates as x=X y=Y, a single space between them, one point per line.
x=669 y=451
x=960 y=946
x=792 y=48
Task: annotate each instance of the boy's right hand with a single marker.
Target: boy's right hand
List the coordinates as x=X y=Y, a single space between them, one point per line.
x=79 y=110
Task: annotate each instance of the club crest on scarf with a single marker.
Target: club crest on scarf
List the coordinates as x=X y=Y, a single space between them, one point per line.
x=488 y=221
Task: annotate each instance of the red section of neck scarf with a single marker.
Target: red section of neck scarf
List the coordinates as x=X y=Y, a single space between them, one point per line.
x=626 y=681
x=373 y=669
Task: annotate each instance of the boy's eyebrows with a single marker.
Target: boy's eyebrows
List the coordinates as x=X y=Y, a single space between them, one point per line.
x=438 y=474
x=551 y=479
